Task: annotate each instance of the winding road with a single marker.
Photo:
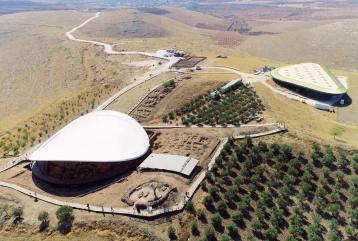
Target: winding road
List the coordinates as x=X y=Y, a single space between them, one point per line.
x=165 y=67
x=108 y=48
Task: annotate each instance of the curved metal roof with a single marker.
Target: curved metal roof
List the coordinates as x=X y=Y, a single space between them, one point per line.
x=103 y=136
x=311 y=76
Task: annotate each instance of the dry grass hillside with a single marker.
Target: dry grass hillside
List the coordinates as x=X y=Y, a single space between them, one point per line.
x=326 y=43
x=168 y=32
x=197 y=19
x=41 y=66
x=88 y=226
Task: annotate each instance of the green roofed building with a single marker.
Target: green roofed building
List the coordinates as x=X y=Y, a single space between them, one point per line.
x=310 y=79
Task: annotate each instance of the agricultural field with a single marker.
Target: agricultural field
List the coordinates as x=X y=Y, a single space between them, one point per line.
x=272 y=191
x=234 y=107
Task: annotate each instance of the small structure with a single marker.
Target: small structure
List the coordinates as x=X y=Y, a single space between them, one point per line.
x=265 y=69
x=226 y=88
x=214 y=95
x=174 y=52
x=172 y=163
x=230 y=86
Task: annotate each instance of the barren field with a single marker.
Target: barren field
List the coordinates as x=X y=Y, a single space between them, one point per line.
x=177 y=34
x=304 y=121
x=330 y=44
x=349 y=114
x=198 y=20
x=128 y=24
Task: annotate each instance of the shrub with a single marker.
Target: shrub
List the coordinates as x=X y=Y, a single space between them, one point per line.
x=18 y=213
x=208 y=201
x=190 y=207
x=65 y=218
x=237 y=216
x=44 y=219
x=169 y=84
x=213 y=191
x=171 y=233
x=43 y=216
x=64 y=214
x=225 y=238
x=232 y=228
x=216 y=220
x=201 y=215
x=271 y=233
x=256 y=224
x=210 y=234
x=222 y=206
x=194 y=229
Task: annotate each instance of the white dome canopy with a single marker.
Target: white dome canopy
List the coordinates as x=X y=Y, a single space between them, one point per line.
x=103 y=136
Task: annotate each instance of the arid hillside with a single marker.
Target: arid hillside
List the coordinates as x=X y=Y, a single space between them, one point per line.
x=40 y=66
x=327 y=43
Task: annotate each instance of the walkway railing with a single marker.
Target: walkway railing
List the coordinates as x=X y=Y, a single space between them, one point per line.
x=143 y=213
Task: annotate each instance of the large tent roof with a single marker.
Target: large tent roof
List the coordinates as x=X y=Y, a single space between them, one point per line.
x=312 y=76
x=103 y=136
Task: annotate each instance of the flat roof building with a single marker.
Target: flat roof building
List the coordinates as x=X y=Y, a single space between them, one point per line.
x=310 y=76
x=183 y=165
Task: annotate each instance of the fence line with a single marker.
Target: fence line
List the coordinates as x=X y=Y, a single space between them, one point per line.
x=140 y=213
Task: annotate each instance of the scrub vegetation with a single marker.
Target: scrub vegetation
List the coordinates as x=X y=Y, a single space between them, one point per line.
x=43 y=125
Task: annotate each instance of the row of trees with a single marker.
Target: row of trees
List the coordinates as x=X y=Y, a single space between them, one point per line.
x=39 y=127
x=270 y=191
x=235 y=107
x=64 y=215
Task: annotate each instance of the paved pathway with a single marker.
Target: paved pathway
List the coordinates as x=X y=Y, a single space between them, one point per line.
x=246 y=78
x=262 y=78
x=296 y=97
x=130 y=211
x=108 y=49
